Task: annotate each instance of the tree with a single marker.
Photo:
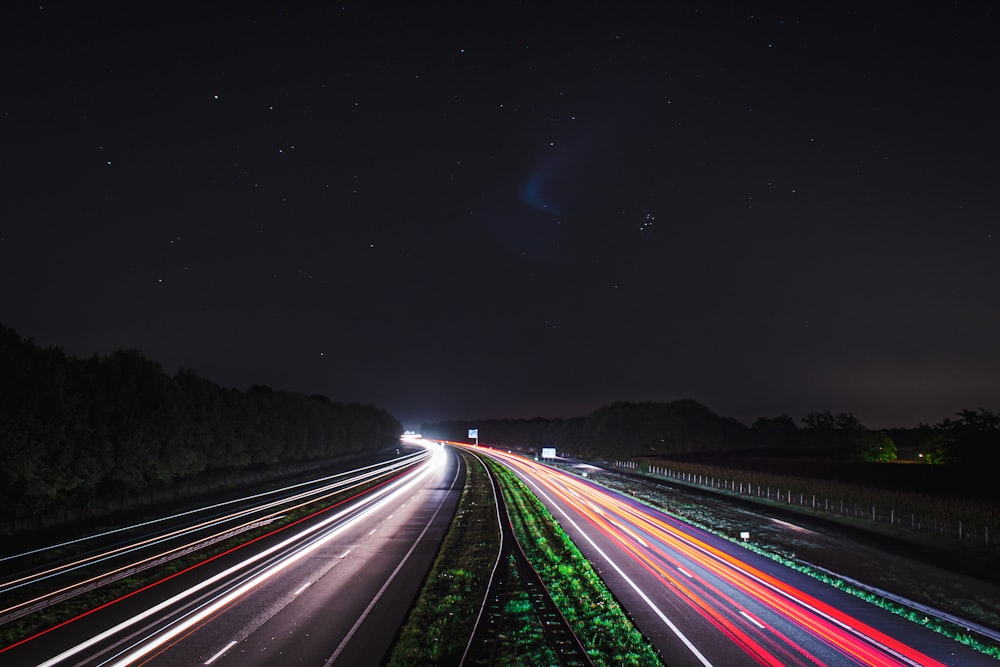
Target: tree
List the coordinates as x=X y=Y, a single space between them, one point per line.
x=684 y=426
x=825 y=421
x=932 y=444
x=836 y=433
x=779 y=431
x=72 y=431
x=974 y=438
x=873 y=446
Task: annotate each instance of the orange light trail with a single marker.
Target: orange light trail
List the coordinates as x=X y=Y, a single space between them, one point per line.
x=712 y=581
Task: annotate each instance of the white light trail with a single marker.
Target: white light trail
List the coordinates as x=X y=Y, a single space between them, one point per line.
x=200 y=509
x=370 y=504
x=306 y=498
x=437 y=461
x=312 y=495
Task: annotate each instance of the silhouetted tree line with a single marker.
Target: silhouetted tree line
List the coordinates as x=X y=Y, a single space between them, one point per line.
x=825 y=434
x=625 y=429
x=73 y=431
x=972 y=438
x=620 y=429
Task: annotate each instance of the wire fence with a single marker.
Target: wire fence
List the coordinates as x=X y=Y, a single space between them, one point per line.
x=969 y=522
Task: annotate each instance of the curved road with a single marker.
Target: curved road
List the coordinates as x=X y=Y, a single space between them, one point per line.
x=703 y=600
x=328 y=590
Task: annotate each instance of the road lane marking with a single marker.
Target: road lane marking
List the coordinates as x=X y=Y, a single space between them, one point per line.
x=344 y=555
x=372 y=532
x=221 y=653
x=752 y=619
x=686 y=573
x=304 y=586
x=385 y=586
x=393 y=465
x=367 y=506
x=865 y=637
x=621 y=573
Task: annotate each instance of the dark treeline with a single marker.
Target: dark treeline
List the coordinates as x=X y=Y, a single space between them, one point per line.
x=621 y=429
x=970 y=438
x=626 y=429
x=81 y=431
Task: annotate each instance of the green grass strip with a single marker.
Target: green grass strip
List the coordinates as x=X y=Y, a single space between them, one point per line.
x=439 y=624
x=522 y=642
x=591 y=610
x=938 y=625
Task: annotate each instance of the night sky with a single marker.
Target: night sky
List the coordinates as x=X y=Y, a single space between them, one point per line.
x=515 y=209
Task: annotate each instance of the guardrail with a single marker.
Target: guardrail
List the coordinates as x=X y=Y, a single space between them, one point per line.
x=25 y=608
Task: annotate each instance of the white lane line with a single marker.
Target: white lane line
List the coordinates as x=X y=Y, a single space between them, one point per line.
x=344 y=555
x=390 y=516
x=395 y=464
x=370 y=504
x=372 y=532
x=304 y=586
x=220 y=653
x=381 y=591
x=621 y=573
x=686 y=573
x=752 y=619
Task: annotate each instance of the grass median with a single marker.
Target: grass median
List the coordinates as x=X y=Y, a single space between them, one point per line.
x=609 y=635
x=437 y=630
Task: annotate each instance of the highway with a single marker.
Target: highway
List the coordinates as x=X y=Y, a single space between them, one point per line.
x=703 y=600
x=323 y=590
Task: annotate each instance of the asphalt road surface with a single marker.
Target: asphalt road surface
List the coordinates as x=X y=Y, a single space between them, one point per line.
x=703 y=600
x=331 y=590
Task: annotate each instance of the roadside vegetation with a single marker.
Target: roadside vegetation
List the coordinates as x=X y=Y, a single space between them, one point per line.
x=968 y=444
x=964 y=524
x=720 y=516
x=523 y=643
x=443 y=616
x=591 y=610
x=82 y=438
x=437 y=630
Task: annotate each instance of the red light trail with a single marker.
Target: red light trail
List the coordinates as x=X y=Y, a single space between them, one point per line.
x=773 y=622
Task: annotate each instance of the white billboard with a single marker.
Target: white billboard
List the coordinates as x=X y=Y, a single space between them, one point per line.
x=473 y=432
x=548 y=452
